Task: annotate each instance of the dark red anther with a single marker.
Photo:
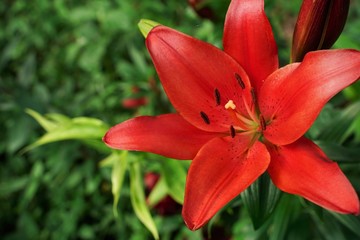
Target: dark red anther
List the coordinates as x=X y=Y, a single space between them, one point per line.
x=253 y=96
x=217 y=97
x=240 y=81
x=262 y=123
x=232 y=131
x=205 y=117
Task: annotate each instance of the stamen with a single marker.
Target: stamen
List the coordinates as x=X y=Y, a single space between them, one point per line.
x=232 y=131
x=230 y=104
x=217 y=96
x=240 y=81
x=262 y=123
x=205 y=117
x=253 y=96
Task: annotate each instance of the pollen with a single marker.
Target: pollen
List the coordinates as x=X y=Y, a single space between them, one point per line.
x=230 y=104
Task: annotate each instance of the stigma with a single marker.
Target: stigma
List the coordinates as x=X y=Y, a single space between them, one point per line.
x=230 y=104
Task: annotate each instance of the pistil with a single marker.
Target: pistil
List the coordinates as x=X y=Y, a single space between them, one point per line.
x=240 y=121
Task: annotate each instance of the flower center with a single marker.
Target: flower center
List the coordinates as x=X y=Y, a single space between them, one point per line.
x=245 y=119
x=252 y=124
x=250 y=121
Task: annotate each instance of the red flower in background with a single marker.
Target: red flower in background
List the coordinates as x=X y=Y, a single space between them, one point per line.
x=318 y=26
x=240 y=115
x=167 y=205
x=134 y=102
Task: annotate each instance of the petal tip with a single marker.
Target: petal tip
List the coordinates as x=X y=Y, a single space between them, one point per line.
x=106 y=138
x=146 y=26
x=191 y=223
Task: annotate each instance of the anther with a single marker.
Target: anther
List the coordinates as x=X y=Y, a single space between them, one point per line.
x=232 y=131
x=230 y=104
x=205 y=117
x=262 y=123
x=217 y=96
x=253 y=96
x=240 y=81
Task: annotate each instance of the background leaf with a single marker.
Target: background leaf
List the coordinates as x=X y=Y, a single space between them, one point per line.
x=175 y=175
x=118 y=161
x=260 y=199
x=138 y=199
x=349 y=221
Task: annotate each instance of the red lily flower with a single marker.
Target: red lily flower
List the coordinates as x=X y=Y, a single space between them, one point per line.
x=239 y=115
x=318 y=26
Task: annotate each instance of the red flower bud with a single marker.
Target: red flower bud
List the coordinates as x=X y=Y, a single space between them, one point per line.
x=167 y=206
x=201 y=8
x=131 y=103
x=319 y=24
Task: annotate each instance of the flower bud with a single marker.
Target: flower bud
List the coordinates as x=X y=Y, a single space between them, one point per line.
x=319 y=24
x=201 y=8
x=133 y=103
x=166 y=206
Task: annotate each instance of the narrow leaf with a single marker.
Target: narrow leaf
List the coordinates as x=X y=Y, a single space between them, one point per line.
x=340 y=153
x=158 y=192
x=44 y=122
x=260 y=199
x=337 y=130
x=58 y=118
x=117 y=176
x=284 y=213
x=78 y=128
x=350 y=221
x=175 y=177
x=138 y=201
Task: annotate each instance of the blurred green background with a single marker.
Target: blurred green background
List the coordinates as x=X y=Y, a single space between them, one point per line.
x=88 y=58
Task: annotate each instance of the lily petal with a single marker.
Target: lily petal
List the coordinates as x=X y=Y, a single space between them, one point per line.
x=293 y=96
x=168 y=135
x=249 y=39
x=223 y=168
x=198 y=78
x=302 y=168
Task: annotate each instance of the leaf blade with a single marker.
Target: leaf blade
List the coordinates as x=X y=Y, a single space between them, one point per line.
x=138 y=201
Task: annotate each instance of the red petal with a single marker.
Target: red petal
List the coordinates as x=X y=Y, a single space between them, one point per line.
x=302 y=168
x=223 y=168
x=292 y=97
x=190 y=71
x=168 y=135
x=249 y=39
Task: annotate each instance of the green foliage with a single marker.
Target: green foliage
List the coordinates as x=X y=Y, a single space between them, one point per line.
x=260 y=199
x=138 y=199
x=79 y=61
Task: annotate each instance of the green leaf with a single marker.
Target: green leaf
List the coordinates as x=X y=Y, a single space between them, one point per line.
x=326 y=225
x=340 y=153
x=138 y=201
x=81 y=128
x=9 y=186
x=339 y=128
x=159 y=191
x=58 y=118
x=175 y=177
x=356 y=129
x=352 y=93
x=349 y=221
x=98 y=145
x=117 y=176
x=47 y=124
x=283 y=215
x=260 y=199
